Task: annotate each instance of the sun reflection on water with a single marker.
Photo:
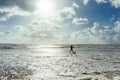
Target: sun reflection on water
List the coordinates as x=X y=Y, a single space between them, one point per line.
x=48 y=51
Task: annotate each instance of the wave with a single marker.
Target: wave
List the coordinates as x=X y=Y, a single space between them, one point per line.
x=81 y=46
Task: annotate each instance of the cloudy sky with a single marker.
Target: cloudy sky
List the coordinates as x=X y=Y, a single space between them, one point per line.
x=60 y=21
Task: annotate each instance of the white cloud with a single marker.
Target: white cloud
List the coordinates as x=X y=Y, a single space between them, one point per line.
x=8 y=36
x=6 y=13
x=43 y=32
x=75 y=5
x=115 y=3
x=96 y=34
x=22 y=4
x=4 y=16
x=101 y=1
x=103 y=34
x=9 y=8
x=79 y=21
x=36 y=32
x=79 y=37
x=45 y=25
x=64 y=14
x=117 y=26
x=85 y=2
x=98 y=30
x=42 y=35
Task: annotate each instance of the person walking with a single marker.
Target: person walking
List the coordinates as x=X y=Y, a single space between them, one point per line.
x=71 y=49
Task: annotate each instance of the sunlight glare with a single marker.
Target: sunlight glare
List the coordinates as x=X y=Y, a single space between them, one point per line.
x=45 y=7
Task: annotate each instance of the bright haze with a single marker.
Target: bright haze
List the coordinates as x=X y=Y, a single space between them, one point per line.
x=60 y=21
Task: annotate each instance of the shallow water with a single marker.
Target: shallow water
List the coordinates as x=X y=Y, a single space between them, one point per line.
x=55 y=63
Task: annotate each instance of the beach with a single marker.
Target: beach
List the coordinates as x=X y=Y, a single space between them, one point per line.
x=56 y=63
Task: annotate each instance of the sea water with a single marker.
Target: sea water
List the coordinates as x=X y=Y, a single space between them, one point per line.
x=55 y=62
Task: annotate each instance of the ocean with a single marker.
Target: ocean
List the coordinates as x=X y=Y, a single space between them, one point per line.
x=55 y=62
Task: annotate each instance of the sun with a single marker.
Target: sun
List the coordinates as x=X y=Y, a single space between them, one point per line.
x=45 y=7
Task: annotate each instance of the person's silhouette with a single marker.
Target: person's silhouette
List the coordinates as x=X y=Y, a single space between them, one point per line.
x=71 y=49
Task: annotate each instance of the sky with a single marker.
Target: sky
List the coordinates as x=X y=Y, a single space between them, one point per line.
x=60 y=21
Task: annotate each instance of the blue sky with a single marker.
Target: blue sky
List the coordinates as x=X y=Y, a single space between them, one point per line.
x=60 y=21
